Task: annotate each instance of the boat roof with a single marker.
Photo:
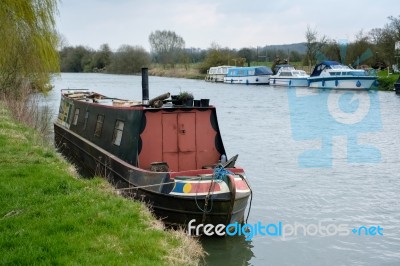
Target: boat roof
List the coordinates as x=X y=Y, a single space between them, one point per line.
x=216 y=67
x=258 y=70
x=277 y=67
x=250 y=68
x=283 y=65
x=92 y=97
x=321 y=66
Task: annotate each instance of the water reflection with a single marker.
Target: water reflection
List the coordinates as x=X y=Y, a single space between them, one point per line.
x=228 y=250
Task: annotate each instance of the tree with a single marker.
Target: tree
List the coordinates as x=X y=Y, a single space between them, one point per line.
x=76 y=59
x=295 y=56
x=129 y=60
x=28 y=45
x=166 y=46
x=313 y=45
x=385 y=40
x=101 y=58
x=247 y=54
x=217 y=56
x=331 y=51
x=359 y=52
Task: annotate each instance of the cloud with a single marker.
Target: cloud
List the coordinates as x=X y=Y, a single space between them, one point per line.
x=230 y=23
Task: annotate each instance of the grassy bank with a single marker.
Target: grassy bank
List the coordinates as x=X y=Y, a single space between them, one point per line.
x=179 y=71
x=48 y=215
x=386 y=82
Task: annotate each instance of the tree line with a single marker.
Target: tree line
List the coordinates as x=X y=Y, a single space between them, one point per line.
x=375 y=48
x=129 y=59
x=29 y=49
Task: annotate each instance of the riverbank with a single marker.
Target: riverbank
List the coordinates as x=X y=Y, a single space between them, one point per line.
x=48 y=215
x=180 y=71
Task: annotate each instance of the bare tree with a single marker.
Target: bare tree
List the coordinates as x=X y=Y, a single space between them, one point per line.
x=166 y=46
x=313 y=45
x=385 y=40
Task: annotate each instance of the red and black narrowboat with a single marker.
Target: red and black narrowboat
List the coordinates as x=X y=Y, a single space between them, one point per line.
x=170 y=156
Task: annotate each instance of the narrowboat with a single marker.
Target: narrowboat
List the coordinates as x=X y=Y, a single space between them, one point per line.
x=169 y=156
x=248 y=75
x=332 y=75
x=217 y=74
x=288 y=76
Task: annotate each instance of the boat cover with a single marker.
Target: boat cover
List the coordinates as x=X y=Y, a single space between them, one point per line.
x=321 y=66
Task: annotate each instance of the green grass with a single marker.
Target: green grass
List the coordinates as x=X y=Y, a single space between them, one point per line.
x=386 y=82
x=50 y=216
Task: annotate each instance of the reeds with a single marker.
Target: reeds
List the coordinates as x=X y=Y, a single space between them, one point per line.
x=26 y=106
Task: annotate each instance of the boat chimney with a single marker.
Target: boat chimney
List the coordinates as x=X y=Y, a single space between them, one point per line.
x=145 y=85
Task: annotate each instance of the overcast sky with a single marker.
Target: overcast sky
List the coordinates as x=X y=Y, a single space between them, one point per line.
x=229 y=23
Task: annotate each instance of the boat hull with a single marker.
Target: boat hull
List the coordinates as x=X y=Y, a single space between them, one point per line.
x=288 y=82
x=215 y=77
x=248 y=80
x=353 y=83
x=155 y=188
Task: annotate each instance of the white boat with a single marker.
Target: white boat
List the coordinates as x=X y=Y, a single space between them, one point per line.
x=217 y=74
x=248 y=75
x=332 y=75
x=288 y=76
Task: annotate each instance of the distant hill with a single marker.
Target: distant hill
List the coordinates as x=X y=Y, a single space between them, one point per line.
x=299 y=47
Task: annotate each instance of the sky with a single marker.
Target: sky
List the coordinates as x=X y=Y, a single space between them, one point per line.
x=227 y=23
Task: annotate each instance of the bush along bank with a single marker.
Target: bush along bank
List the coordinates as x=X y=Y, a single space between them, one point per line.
x=386 y=83
x=48 y=215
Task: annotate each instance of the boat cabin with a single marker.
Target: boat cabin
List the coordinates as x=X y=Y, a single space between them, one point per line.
x=333 y=68
x=248 y=71
x=183 y=138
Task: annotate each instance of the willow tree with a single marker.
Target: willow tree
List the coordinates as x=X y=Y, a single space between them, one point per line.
x=28 y=45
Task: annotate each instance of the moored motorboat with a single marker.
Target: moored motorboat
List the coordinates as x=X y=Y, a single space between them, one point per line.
x=169 y=156
x=288 y=76
x=248 y=75
x=217 y=74
x=332 y=75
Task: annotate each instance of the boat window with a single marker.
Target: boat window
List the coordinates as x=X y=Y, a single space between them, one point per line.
x=252 y=72
x=118 y=129
x=357 y=73
x=86 y=119
x=65 y=111
x=76 y=115
x=240 y=72
x=263 y=71
x=99 y=125
x=285 y=74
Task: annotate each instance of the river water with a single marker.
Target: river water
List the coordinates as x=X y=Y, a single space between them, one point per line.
x=321 y=163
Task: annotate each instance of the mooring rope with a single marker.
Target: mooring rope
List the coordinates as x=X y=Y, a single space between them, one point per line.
x=139 y=187
x=220 y=172
x=251 y=195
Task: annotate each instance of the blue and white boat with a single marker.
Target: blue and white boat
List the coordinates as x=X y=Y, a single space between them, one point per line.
x=248 y=75
x=288 y=76
x=332 y=75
